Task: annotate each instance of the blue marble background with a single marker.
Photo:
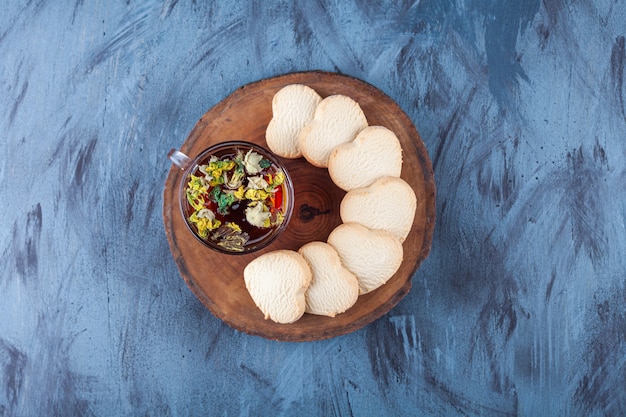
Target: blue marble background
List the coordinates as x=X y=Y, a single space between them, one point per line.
x=520 y=309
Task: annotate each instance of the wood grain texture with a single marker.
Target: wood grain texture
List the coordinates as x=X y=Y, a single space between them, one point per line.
x=217 y=279
x=518 y=309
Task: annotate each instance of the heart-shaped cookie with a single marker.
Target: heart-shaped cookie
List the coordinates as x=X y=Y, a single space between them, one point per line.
x=373 y=256
x=337 y=120
x=388 y=204
x=333 y=288
x=293 y=107
x=375 y=152
x=277 y=282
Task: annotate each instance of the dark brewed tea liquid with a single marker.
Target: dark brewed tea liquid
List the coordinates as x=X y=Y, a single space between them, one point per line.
x=237 y=215
x=236 y=212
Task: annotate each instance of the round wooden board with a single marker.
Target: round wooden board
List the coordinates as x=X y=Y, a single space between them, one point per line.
x=217 y=279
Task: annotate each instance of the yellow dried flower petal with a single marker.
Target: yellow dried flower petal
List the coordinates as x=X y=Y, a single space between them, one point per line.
x=240 y=193
x=256 y=195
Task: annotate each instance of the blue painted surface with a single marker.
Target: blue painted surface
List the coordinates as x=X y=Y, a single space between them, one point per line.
x=520 y=309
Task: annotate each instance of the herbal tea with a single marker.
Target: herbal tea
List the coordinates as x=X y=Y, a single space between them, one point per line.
x=234 y=198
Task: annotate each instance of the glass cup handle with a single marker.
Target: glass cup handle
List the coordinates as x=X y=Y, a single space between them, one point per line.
x=179 y=159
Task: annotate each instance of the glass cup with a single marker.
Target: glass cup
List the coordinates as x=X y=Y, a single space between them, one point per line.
x=243 y=213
